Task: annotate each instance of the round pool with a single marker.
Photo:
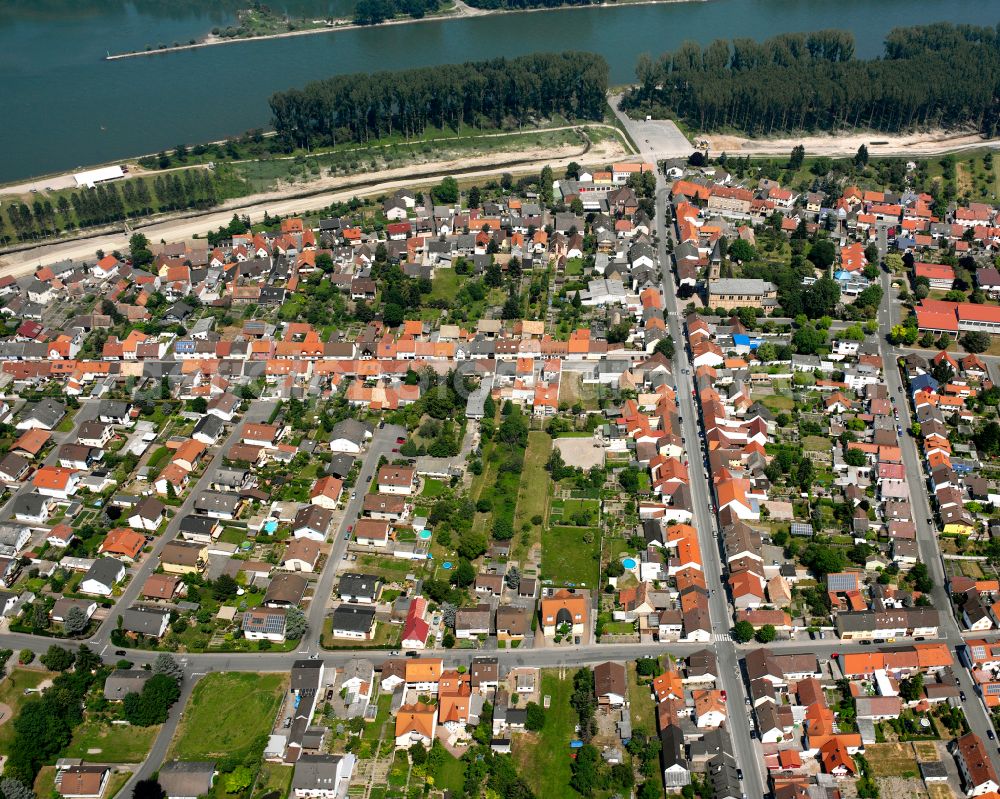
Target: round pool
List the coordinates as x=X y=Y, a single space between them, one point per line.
x=246 y=546
x=629 y=563
x=270 y=526
x=446 y=564
x=425 y=534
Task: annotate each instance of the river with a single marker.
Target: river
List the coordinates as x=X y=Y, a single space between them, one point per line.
x=64 y=106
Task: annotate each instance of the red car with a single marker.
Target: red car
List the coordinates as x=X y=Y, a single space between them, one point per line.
x=401 y=440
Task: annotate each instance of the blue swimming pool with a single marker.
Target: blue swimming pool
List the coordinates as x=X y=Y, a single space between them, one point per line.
x=629 y=563
x=425 y=534
x=270 y=526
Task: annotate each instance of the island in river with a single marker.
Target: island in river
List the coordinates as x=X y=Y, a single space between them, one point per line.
x=260 y=22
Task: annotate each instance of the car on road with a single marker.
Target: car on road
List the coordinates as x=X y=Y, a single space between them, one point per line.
x=961 y=695
x=347 y=536
x=401 y=440
x=288 y=722
x=990 y=735
x=412 y=654
x=739 y=773
x=395 y=449
x=747 y=701
x=354 y=495
x=120 y=652
x=350 y=528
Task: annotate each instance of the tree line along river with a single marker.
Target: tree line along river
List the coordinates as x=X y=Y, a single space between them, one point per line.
x=65 y=106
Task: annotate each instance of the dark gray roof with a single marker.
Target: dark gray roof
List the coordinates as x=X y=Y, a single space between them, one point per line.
x=143 y=620
x=353 y=618
x=181 y=779
x=125 y=681
x=359 y=585
x=316 y=773
x=47 y=412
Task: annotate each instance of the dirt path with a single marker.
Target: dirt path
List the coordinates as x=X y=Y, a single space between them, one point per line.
x=917 y=144
x=313 y=196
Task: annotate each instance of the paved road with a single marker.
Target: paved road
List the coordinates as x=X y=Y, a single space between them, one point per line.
x=922 y=511
x=727 y=655
x=382 y=443
x=260 y=411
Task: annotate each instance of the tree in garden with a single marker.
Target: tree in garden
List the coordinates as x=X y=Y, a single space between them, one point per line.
x=151 y=705
x=148 y=789
x=912 y=688
x=742 y=250
x=535 y=717
x=512 y=579
x=58 y=659
x=742 y=631
x=976 y=341
x=854 y=457
x=465 y=574
x=238 y=779
x=665 y=347
x=166 y=664
x=12 y=788
x=445 y=192
x=765 y=634
x=295 y=623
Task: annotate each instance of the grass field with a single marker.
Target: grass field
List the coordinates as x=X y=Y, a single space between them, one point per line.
x=641 y=703
x=248 y=703
x=567 y=558
x=775 y=402
x=115 y=743
x=12 y=695
x=533 y=493
x=816 y=443
x=543 y=759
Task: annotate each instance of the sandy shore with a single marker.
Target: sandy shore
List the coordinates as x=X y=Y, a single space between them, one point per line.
x=318 y=194
x=923 y=143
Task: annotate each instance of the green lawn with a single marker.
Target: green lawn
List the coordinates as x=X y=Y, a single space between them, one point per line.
x=247 y=703
x=567 y=558
x=816 y=443
x=777 y=403
x=12 y=695
x=445 y=285
x=451 y=775
x=533 y=493
x=640 y=703
x=432 y=488
x=115 y=743
x=544 y=759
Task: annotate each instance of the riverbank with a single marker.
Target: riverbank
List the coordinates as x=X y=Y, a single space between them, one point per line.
x=460 y=11
x=306 y=198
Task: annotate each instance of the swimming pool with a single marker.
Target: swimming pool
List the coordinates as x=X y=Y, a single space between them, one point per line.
x=425 y=534
x=270 y=526
x=629 y=563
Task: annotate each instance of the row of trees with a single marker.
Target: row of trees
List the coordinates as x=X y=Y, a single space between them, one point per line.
x=931 y=75
x=484 y=93
x=113 y=202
